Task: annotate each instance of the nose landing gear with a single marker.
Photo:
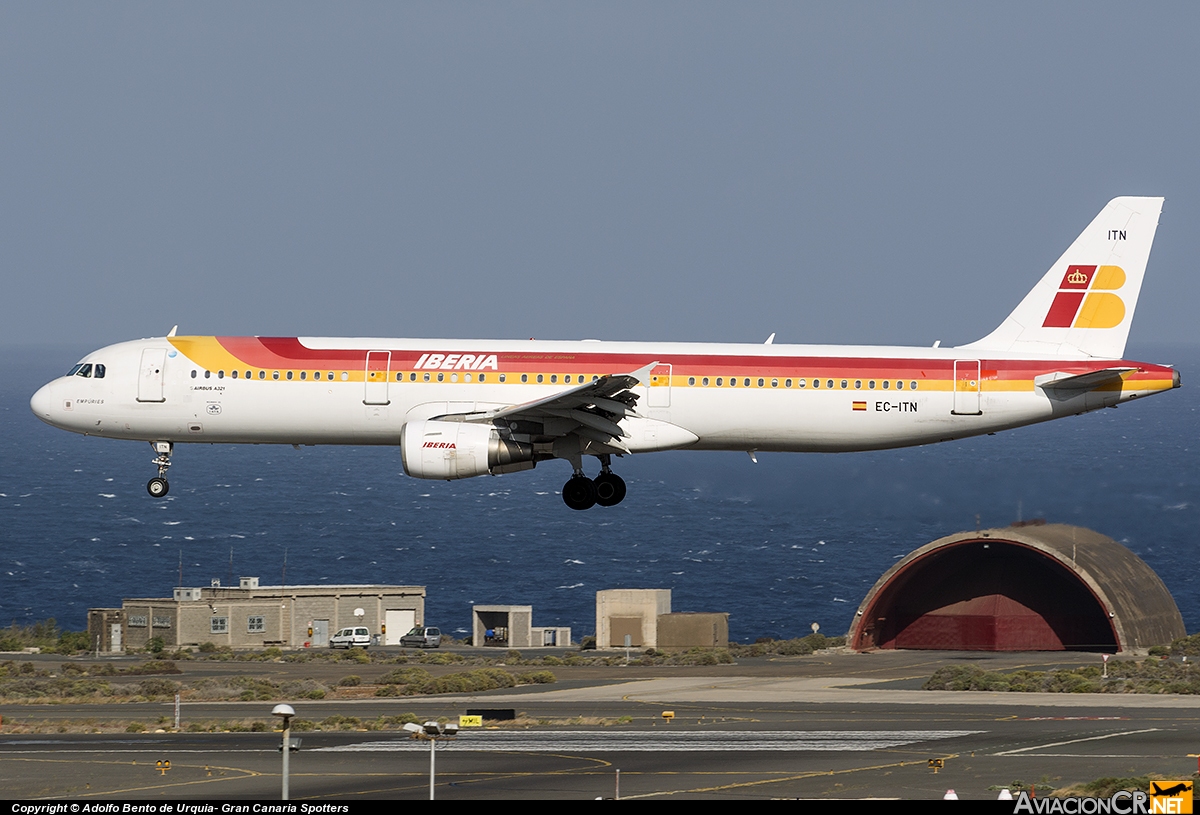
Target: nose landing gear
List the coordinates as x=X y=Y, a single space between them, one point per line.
x=158 y=486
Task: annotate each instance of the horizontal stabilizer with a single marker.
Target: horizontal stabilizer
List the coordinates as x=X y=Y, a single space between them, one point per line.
x=1078 y=383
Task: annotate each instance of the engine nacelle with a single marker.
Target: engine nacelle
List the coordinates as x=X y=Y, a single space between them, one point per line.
x=450 y=450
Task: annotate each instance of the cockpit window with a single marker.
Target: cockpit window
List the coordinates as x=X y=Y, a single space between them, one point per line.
x=83 y=370
x=75 y=370
x=99 y=370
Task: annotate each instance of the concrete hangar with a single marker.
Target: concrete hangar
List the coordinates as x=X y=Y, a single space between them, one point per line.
x=1032 y=587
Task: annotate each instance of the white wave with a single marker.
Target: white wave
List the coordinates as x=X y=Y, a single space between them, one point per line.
x=572 y=586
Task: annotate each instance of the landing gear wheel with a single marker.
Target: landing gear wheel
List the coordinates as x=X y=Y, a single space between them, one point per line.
x=610 y=489
x=579 y=492
x=158 y=487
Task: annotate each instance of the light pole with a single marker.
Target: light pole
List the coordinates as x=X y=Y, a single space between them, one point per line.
x=431 y=732
x=287 y=713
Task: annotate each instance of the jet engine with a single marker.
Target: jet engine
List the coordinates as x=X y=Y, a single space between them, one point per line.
x=450 y=450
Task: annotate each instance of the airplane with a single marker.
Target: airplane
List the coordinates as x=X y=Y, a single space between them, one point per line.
x=464 y=408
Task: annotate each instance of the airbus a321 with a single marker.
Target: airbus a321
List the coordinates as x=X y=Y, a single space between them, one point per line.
x=463 y=408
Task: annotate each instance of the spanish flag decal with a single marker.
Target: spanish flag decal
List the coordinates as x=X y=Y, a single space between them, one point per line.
x=860 y=405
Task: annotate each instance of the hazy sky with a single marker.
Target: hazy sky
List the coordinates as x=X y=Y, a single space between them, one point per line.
x=838 y=172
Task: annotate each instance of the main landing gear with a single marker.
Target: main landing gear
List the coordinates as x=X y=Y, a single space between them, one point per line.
x=158 y=486
x=606 y=489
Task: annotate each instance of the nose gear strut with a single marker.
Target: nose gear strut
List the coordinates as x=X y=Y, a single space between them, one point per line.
x=158 y=486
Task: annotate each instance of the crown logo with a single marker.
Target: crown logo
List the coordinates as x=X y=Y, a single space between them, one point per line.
x=1077 y=277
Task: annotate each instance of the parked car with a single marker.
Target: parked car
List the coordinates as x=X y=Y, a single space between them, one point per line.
x=421 y=637
x=354 y=637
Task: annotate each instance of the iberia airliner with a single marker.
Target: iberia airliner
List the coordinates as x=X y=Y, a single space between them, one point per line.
x=462 y=408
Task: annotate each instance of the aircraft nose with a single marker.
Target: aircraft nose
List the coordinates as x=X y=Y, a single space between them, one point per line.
x=42 y=403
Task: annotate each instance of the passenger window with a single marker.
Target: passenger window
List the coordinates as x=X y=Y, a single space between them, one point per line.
x=482 y=377
x=412 y=377
x=816 y=383
x=275 y=374
x=899 y=385
x=304 y=375
x=193 y=373
x=802 y=382
x=912 y=385
x=733 y=382
x=746 y=382
x=554 y=379
x=248 y=376
x=453 y=377
x=718 y=381
x=466 y=377
x=844 y=383
x=262 y=374
x=345 y=376
x=858 y=384
x=886 y=384
x=426 y=376
x=871 y=384
x=208 y=374
x=441 y=377
x=539 y=379
x=829 y=383
x=524 y=377
x=99 y=371
x=503 y=377
x=289 y=374
x=787 y=384
x=233 y=374
x=220 y=374
x=691 y=380
x=760 y=383
x=704 y=381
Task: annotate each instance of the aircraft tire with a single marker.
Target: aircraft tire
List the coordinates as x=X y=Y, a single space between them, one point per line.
x=610 y=489
x=158 y=487
x=579 y=493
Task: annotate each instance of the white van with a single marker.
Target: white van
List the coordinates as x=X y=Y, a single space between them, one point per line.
x=355 y=637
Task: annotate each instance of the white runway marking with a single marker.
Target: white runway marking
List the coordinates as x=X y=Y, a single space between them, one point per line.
x=1076 y=741
x=842 y=741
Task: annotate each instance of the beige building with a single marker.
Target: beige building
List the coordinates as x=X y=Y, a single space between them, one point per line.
x=254 y=616
x=512 y=627
x=644 y=616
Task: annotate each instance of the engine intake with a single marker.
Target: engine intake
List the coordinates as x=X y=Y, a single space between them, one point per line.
x=450 y=450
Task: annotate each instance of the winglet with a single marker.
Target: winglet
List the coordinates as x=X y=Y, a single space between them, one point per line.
x=642 y=375
x=171 y=333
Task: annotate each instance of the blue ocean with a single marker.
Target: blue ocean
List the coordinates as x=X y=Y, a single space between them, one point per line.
x=779 y=545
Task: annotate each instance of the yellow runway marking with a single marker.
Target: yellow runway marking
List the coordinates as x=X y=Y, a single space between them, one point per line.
x=243 y=773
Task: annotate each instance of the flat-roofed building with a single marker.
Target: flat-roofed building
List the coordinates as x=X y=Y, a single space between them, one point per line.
x=254 y=616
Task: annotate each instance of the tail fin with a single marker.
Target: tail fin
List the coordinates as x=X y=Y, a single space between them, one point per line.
x=1084 y=304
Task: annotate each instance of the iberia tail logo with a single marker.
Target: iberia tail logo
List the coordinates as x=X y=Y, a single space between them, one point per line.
x=1085 y=298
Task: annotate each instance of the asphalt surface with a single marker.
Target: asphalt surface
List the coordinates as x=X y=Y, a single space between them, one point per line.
x=825 y=726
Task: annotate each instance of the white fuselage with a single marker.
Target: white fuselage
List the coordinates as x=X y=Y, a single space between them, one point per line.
x=783 y=398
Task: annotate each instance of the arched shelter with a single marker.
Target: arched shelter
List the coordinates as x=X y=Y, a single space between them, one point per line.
x=1049 y=587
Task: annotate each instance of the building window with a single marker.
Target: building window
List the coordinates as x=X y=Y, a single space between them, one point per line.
x=218 y=625
x=256 y=625
x=137 y=621
x=161 y=622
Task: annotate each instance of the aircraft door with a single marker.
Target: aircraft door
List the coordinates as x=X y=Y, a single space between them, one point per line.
x=150 y=375
x=377 y=372
x=966 y=388
x=660 y=386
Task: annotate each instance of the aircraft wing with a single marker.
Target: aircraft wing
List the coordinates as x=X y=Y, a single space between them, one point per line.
x=1079 y=383
x=591 y=410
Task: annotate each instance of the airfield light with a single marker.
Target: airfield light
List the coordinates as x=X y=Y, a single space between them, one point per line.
x=286 y=712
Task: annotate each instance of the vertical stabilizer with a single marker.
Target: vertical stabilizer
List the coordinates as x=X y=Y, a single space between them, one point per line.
x=1084 y=305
